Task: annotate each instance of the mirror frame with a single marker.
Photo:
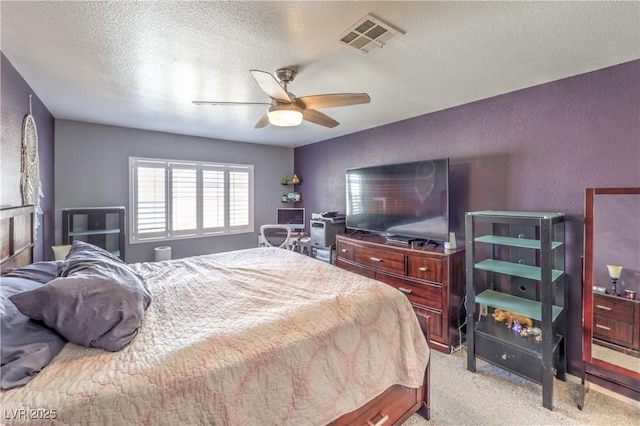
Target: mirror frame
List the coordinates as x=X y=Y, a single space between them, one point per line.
x=607 y=375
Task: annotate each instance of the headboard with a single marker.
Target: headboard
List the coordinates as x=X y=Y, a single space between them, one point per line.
x=16 y=237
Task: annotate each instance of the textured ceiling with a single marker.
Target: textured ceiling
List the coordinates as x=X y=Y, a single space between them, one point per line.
x=140 y=64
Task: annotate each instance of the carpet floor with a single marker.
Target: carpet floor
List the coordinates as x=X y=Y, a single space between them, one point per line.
x=493 y=396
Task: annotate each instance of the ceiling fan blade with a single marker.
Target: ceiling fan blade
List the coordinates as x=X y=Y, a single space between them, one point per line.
x=229 y=103
x=333 y=100
x=270 y=86
x=262 y=122
x=319 y=118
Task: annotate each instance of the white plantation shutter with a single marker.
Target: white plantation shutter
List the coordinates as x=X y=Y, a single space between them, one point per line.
x=239 y=197
x=150 y=199
x=213 y=197
x=182 y=199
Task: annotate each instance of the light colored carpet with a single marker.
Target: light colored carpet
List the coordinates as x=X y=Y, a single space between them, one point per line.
x=493 y=396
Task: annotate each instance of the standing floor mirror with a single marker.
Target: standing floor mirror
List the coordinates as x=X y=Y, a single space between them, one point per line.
x=611 y=309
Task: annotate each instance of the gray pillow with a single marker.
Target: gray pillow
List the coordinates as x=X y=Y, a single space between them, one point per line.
x=41 y=272
x=96 y=301
x=26 y=346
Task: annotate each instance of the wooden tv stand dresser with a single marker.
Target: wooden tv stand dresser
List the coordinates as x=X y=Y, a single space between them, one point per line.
x=433 y=280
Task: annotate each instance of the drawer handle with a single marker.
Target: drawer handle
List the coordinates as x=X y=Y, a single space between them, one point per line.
x=606 y=308
x=375 y=259
x=345 y=250
x=423 y=269
x=603 y=327
x=379 y=422
x=405 y=290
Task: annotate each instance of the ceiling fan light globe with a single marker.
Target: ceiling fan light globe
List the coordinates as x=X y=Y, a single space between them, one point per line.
x=285 y=115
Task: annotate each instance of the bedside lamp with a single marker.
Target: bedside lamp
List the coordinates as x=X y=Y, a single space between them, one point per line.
x=614 y=274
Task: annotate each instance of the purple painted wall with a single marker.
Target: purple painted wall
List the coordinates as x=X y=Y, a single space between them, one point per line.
x=14 y=101
x=536 y=149
x=613 y=244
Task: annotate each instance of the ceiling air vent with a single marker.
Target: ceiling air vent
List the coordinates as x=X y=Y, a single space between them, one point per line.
x=369 y=33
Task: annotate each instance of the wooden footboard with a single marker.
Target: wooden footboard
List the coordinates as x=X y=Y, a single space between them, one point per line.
x=425 y=409
x=16 y=237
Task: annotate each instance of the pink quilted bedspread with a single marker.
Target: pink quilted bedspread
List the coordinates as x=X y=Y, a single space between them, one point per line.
x=251 y=337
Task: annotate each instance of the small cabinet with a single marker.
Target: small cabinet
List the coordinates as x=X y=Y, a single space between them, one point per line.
x=515 y=264
x=101 y=226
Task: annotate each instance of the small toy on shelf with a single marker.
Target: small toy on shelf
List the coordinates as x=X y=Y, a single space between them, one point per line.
x=499 y=315
x=534 y=331
x=517 y=328
x=531 y=331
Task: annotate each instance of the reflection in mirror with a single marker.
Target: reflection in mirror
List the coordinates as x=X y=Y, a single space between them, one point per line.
x=616 y=279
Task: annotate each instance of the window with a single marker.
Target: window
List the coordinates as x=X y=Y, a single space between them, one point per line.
x=186 y=199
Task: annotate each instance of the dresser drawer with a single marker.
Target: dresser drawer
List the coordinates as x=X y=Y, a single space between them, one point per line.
x=425 y=268
x=396 y=403
x=434 y=322
x=611 y=330
x=345 y=250
x=382 y=260
x=367 y=272
x=423 y=293
x=606 y=306
x=509 y=357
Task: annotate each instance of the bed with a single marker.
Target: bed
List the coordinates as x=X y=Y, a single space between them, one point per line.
x=255 y=336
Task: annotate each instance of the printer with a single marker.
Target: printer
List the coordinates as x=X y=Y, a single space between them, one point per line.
x=324 y=227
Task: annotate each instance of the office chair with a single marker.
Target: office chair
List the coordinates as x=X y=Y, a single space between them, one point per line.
x=275 y=236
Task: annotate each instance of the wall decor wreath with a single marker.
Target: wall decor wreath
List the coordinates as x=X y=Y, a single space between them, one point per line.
x=30 y=183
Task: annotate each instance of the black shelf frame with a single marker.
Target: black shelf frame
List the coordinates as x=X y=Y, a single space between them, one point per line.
x=97 y=226
x=527 y=249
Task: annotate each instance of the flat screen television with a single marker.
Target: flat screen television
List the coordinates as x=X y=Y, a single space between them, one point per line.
x=292 y=216
x=405 y=200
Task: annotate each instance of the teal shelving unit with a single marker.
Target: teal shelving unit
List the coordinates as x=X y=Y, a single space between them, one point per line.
x=515 y=262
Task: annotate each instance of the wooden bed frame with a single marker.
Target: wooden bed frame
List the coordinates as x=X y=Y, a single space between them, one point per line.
x=392 y=407
x=17 y=239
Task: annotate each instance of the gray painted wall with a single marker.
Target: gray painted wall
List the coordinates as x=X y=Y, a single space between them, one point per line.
x=92 y=170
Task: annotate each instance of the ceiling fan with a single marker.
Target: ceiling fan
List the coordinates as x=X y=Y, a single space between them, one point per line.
x=285 y=109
